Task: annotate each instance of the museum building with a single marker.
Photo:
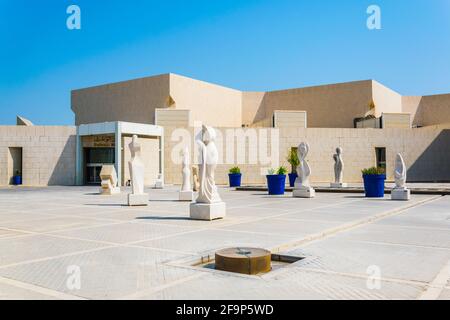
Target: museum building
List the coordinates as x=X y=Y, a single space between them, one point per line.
x=371 y=123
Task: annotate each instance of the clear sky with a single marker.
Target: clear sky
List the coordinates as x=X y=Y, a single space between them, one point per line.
x=248 y=45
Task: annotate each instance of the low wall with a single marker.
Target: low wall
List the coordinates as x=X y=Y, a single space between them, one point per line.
x=48 y=154
x=425 y=150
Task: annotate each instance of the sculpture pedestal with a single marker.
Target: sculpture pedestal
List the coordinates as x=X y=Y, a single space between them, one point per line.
x=338 y=185
x=186 y=196
x=159 y=184
x=138 y=199
x=401 y=194
x=304 y=193
x=109 y=192
x=207 y=211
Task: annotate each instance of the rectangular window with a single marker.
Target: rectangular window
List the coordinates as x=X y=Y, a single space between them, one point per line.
x=381 y=157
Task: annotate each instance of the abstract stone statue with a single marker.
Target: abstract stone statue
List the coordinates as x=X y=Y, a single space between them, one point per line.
x=302 y=187
x=137 y=197
x=186 y=193
x=109 y=180
x=400 y=191
x=159 y=183
x=338 y=170
x=209 y=205
x=195 y=178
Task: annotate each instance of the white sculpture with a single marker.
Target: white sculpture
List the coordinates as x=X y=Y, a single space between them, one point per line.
x=338 y=170
x=137 y=197
x=209 y=205
x=159 y=183
x=302 y=187
x=186 y=193
x=400 y=191
x=195 y=178
x=109 y=180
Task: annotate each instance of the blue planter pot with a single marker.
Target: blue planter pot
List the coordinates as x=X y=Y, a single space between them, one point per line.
x=292 y=178
x=17 y=180
x=235 y=179
x=374 y=185
x=276 y=184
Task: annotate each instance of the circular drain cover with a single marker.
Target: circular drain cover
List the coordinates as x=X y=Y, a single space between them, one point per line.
x=243 y=260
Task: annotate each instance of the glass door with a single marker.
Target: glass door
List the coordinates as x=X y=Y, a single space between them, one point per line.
x=95 y=158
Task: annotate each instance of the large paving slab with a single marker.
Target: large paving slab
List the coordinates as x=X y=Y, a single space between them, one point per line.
x=148 y=252
x=11 y=292
x=105 y=274
x=32 y=247
x=289 y=286
x=409 y=263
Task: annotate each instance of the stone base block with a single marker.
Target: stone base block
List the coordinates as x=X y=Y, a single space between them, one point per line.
x=208 y=211
x=304 y=193
x=109 y=192
x=159 y=185
x=401 y=194
x=186 y=196
x=138 y=199
x=338 y=185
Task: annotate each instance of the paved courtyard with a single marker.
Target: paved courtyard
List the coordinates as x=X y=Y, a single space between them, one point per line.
x=71 y=243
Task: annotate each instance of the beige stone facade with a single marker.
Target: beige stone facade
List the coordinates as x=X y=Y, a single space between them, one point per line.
x=149 y=148
x=428 y=110
x=426 y=152
x=48 y=154
x=324 y=116
x=326 y=106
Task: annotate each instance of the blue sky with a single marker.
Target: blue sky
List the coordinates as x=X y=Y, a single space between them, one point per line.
x=247 y=45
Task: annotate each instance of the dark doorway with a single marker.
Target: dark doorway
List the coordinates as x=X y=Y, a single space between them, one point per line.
x=381 y=157
x=94 y=159
x=14 y=164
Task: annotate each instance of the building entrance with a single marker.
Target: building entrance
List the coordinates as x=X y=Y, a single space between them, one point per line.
x=95 y=158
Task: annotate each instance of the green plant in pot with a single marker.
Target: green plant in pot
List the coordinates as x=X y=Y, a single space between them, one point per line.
x=17 y=178
x=276 y=181
x=292 y=158
x=235 y=176
x=374 y=179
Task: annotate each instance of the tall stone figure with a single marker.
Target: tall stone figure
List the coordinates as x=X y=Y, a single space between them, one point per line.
x=302 y=187
x=137 y=197
x=209 y=205
x=196 y=185
x=186 y=193
x=400 y=191
x=338 y=170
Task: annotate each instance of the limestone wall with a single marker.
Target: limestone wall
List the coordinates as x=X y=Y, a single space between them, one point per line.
x=425 y=151
x=428 y=110
x=173 y=118
x=48 y=154
x=131 y=101
x=149 y=156
x=332 y=106
x=434 y=110
x=213 y=104
x=290 y=119
x=396 y=120
x=385 y=99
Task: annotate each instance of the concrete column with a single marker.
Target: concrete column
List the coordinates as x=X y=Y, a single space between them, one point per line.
x=79 y=160
x=118 y=151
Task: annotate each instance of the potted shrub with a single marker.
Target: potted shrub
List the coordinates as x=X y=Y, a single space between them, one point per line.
x=276 y=181
x=17 y=178
x=374 y=179
x=235 y=176
x=294 y=162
